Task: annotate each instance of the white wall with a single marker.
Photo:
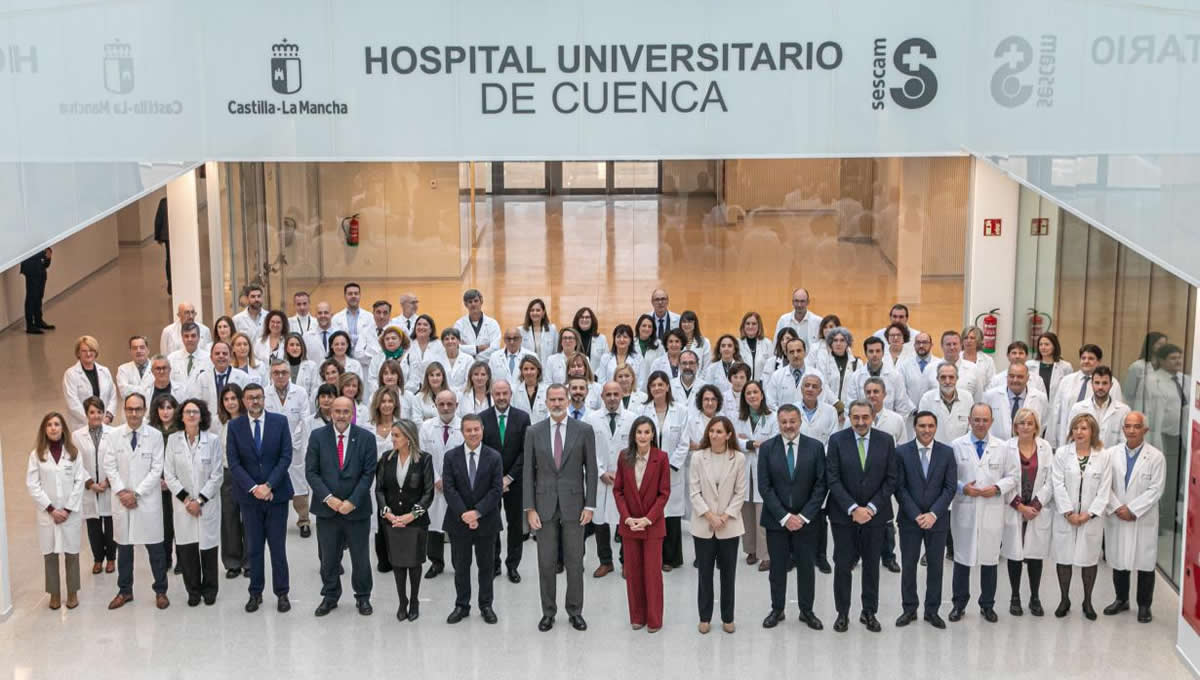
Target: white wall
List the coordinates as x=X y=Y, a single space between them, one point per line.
x=136 y=221
x=991 y=266
x=1187 y=642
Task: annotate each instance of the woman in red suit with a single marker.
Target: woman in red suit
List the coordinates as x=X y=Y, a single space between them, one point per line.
x=641 y=488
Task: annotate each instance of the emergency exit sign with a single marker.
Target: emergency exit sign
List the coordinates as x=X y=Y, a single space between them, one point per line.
x=1039 y=226
x=991 y=227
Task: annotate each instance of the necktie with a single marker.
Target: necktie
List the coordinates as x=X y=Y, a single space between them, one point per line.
x=1179 y=386
x=674 y=371
x=1087 y=379
x=325 y=340
x=471 y=469
x=133 y=441
x=257 y=435
x=512 y=363
x=925 y=462
x=445 y=433
x=862 y=453
x=352 y=328
x=341 y=451
x=1129 y=462
x=576 y=414
x=1016 y=406
x=408 y=325
x=191 y=360
x=791 y=460
x=221 y=378
x=503 y=426
x=612 y=423
x=558 y=453
x=378 y=332
x=923 y=363
x=142 y=370
x=796 y=375
x=979 y=449
x=662 y=329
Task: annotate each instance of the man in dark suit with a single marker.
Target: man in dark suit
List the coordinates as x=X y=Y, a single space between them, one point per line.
x=791 y=481
x=926 y=480
x=504 y=430
x=560 y=477
x=340 y=466
x=259 y=450
x=34 y=269
x=472 y=481
x=861 y=470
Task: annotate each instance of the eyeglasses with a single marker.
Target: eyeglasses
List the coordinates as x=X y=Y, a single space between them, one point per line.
x=192 y=412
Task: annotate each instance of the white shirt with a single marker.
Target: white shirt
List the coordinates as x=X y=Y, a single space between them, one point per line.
x=251 y=326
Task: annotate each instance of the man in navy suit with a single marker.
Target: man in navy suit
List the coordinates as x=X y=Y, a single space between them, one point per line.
x=340 y=466
x=504 y=430
x=791 y=481
x=259 y=451
x=473 y=482
x=926 y=480
x=861 y=471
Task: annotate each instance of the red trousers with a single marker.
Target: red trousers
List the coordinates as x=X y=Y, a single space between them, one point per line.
x=644 y=580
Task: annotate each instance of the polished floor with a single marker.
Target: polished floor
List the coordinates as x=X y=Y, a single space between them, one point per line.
x=223 y=641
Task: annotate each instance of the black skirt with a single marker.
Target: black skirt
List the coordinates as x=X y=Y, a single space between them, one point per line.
x=406 y=546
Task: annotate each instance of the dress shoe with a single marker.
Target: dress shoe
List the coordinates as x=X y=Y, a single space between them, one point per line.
x=325 y=607
x=305 y=531
x=488 y=614
x=667 y=567
x=34 y=331
x=283 y=605
x=924 y=560
x=728 y=627
x=559 y=568
x=110 y=567
x=765 y=565
x=577 y=622
x=161 y=601
x=97 y=567
x=177 y=570
x=246 y=572
x=841 y=624
x=546 y=623
x=210 y=600
x=1144 y=615
x=384 y=568
x=824 y=567
x=233 y=573
x=1064 y=607
x=414 y=610
x=55 y=602
x=193 y=600
x=653 y=630
x=433 y=570
x=364 y=607
x=935 y=621
x=458 y=614
x=891 y=566
x=773 y=618
x=119 y=601
x=637 y=626
x=870 y=622
x=602 y=571
x=989 y=614
x=496 y=570
x=1088 y=611
x=1015 y=609
x=253 y=603
x=402 y=613
x=956 y=614
x=905 y=619
x=751 y=558
x=45 y=326
x=1116 y=607
x=704 y=627
x=1035 y=608
x=72 y=601
x=513 y=576
x=810 y=619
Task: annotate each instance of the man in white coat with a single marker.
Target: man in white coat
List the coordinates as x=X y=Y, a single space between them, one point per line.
x=357 y=323
x=190 y=364
x=134 y=375
x=506 y=364
x=1107 y=410
x=1018 y=353
x=951 y=405
x=408 y=314
x=171 y=337
x=988 y=476
x=801 y=319
x=784 y=385
x=919 y=369
x=439 y=435
x=968 y=372
x=611 y=426
x=303 y=321
x=1074 y=388
x=873 y=367
x=480 y=333
x=687 y=384
x=664 y=318
x=290 y=400
x=250 y=320
x=898 y=314
x=1015 y=394
x=1131 y=525
x=1168 y=414
x=316 y=339
x=134 y=466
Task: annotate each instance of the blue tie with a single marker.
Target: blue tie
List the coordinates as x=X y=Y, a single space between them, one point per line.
x=979 y=449
x=257 y=437
x=791 y=460
x=796 y=375
x=925 y=463
x=923 y=363
x=1129 y=463
x=133 y=442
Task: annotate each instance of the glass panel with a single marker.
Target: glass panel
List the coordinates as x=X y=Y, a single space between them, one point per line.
x=635 y=175
x=584 y=175
x=525 y=175
x=1072 y=277
x=1099 y=318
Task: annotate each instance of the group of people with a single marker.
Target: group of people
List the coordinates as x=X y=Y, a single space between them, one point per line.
x=396 y=438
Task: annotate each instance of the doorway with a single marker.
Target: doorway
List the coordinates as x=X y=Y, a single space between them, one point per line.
x=576 y=177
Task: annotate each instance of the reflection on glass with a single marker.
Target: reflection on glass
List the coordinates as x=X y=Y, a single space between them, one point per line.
x=525 y=175
x=583 y=175
x=635 y=175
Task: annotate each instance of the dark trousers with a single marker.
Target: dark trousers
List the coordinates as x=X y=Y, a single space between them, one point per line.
x=100 y=538
x=911 y=540
x=961 y=585
x=785 y=550
x=603 y=535
x=644 y=580
x=334 y=535
x=199 y=570
x=484 y=548
x=514 y=532
x=266 y=526
x=851 y=543
x=168 y=526
x=1145 y=586
x=672 y=547
x=435 y=548
x=233 y=534
x=158 y=568
x=821 y=526
x=889 y=542
x=1035 y=578
x=382 y=558
x=35 y=290
x=723 y=553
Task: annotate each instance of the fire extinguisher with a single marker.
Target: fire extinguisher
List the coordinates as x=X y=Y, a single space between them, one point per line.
x=988 y=322
x=1039 y=322
x=350 y=229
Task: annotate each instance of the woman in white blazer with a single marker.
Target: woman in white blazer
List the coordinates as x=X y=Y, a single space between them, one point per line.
x=434 y=381
x=671 y=426
x=739 y=375
x=54 y=477
x=424 y=348
x=819 y=352
x=631 y=398
x=755 y=424
x=194 y=469
x=351 y=387
x=538 y=335
x=726 y=355
x=592 y=342
x=1027 y=526
x=622 y=354
x=84 y=379
x=92 y=443
x=393 y=345
x=1082 y=483
x=242 y=352
x=899 y=347
x=647 y=346
x=455 y=362
x=838 y=366
x=555 y=369
x=972 y=350
x=717 y=490
x=476 y=397
x=270 y=345
x=689 y=323
x=756 y=350
x=304 y=371
x=1049 y=358
x=391 y=374
x=339 y=351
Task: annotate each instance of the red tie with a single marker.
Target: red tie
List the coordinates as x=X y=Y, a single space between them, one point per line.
x=341 y=452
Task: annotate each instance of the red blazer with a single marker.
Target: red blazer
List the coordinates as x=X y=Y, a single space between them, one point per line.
x=649 y=500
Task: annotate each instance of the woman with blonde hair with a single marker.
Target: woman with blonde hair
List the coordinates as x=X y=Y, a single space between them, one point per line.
x=351 y=386
x=403 y=494
x=54 y=477
x=1082 y=481
x=84 y=379
x=1027 y=527
x=241 y=348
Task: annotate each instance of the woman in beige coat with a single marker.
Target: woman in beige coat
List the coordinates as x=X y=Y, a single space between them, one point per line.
x=717 y=486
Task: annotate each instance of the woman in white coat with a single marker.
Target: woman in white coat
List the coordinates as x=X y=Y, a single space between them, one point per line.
x=304 y=372
x=477 y=396
x=556 y=365
x=1027 y=526
x=351 y=387
x=1082 y=484
x=689 y=323
x=592 y=342
x=242 y=351
x=424 y=348
x=455 y=362
x=194 y=470
x=756 y=350
x=631 y=399
x=726 y=355
x=55 y=478
x=538 y=335
x=84 y=379
x=92 y=443
x=339 y=351
x=622 y=354
x=270 y=345
x=393 y=345
x=755 y=424
x=434 y=381
x=972 y=350
x=1131 y=527
x=647 y=346
x=671 y=426
x=1050 y=368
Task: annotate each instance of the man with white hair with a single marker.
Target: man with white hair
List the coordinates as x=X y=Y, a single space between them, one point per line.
x=171 y=339
x=408 y=313
x=801 y=319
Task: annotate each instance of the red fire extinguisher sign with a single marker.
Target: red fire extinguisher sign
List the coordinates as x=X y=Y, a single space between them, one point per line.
x=991 y=226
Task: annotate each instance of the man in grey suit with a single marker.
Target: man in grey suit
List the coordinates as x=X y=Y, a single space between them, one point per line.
x=559 y=489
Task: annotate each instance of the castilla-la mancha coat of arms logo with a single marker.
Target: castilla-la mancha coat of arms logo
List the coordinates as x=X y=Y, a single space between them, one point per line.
x=118 y=67
x=285 y=67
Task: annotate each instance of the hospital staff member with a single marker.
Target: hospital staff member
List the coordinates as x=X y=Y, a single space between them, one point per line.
x=1131 y=528
x=194 y=469
x=1082 y=484
x=87 y=379
x=92 y=441
x=54 y=478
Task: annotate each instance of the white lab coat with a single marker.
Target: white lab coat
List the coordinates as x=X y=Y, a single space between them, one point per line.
x=781 y=388
x=199 y=470
x=833 y=383
x=129 y=381
x=682 y=395
x=263 y=352
x=206 y=389
x=307 y=379
x=314 y=343
x=672 y=322
x=968 y=378
x=301 y=325
x=1167 y=411
x=431 y=443
x=456 y=370
x=252 y=327
x=1035 y=385
x=892 y=423
x=895 y=395
x=489 y=334
x=1111 y=420
x=757 y=360
x=543 y=344
x=608 y=368
x=297 y=408
x=916 y=381
x=1134 y=545
x=714 y=374
x=171 y=338
x=649 y=358
x=59 y=485
x=952 y=423
x=673 y=439
x=977 y=523
x=703 y=351
x=1068 y=396
x=912 y=336
x=368 y=348
x=371 y=379
x=906 y=352
x=768 y=427
x=807 y=328
x=499 y=365
x=536 y=408
x=467 y=404
x=555 y=369
x=608 y=450
x=364 y=324
x=599 y=350
x=94 y=504
x=985 y=368
x=1035 y=544
x=141 y=472
x=256 y=374
x=416 y=359
x=405 y=323
x=427 y=408
x=1062 y=368
x=820 y=425
x=1089 y=492
x=998 y=399
x=76 y=388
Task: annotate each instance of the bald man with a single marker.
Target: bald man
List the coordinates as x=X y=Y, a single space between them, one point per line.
x=1131 y=525
x=664 y=318
x=172 y=339
x=801 y=319
x=408 y=313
